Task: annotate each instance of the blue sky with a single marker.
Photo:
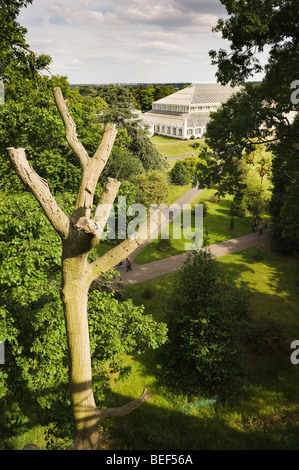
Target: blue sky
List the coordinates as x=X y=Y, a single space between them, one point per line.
x=109 y=41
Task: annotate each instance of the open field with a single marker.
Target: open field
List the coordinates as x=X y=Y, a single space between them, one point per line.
x=174 y=148
x=264 y=412
x=216 y=224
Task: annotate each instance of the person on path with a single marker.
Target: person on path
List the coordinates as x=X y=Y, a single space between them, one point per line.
x=253 y=227
x=129 y=265
x=261 y=229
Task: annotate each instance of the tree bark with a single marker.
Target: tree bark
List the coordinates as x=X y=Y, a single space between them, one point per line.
x=79 y=234
x=74 y=296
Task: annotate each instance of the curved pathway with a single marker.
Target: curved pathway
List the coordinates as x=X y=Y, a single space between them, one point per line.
x=187 y=198
x=144 y=272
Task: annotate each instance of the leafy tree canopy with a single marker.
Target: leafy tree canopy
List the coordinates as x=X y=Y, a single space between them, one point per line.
x=252 y=27
x=264 y=113
x=13 y=46
x=205 y=323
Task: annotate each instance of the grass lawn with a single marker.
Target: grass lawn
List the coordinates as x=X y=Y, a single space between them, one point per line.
x=175 y=191
x=263 y=414
x=216 y=224
x=174 y=148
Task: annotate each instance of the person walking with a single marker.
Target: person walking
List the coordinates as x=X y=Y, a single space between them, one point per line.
x=260 y=229
x=129 y=265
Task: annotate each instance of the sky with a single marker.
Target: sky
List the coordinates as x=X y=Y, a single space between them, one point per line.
x=126 y=41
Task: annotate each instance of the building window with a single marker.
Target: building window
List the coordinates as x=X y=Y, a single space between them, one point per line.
x=180 y=132
x=168 y=130
x=174 y=131
x=189 y=131
x=163 y=129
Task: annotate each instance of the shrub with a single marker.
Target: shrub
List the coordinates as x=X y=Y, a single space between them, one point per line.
x=164 y=245
x=148 y=294
x=266 y=336
x=205 y=324
x=179 y=174
x=214 y=199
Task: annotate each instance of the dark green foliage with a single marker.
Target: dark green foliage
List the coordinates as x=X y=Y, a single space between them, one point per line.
x=34 y=377
x=205 y=322
x=141 y=146
x=120 y=101
x=122 y=165
x=250 y=28
x=13 y=45
x=164 y=245
x=148 y=294
x=251 y=116
x=145 y=95
x=267 y=337
x=179 y=174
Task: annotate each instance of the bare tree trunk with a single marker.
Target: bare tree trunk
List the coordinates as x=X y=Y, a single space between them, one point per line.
x=79 y=234
x=74 y=296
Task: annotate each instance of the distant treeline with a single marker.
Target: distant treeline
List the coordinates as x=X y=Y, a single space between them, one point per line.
x=140 y=96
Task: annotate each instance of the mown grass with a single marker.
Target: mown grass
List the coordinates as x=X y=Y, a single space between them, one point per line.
x=174 y=148
x=216 y=225
x=263 y=413
x=175 y=192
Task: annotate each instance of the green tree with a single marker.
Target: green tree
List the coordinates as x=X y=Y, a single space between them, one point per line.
x=179 y=174
x=146 y=97
x=30 y=119
x=14 y=48
x=79 y=233
x=162 y=91
x=154 y=187
x=205 y=321
x=261 y=113
x=120 y=101
x=141 y=146
x=250 y=28
x=34 y=377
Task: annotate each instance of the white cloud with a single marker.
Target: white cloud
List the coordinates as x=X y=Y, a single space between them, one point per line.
x=125 y=40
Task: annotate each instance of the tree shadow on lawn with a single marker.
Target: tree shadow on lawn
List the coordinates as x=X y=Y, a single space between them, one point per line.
x=264 y=414
x=240 y=421
x=260 y=268
x=30 y=402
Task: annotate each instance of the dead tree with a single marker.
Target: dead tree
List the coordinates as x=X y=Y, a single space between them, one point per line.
x=79 y=235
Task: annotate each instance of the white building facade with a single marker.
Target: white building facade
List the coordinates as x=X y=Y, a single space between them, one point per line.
x=186 y=113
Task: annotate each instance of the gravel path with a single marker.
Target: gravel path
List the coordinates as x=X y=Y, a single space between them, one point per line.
x=144 y=272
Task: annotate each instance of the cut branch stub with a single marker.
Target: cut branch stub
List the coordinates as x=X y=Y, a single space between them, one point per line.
x=40 y=189
x=93 y=171
x=70 y=128
x=124 y=410
x=105 y=205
